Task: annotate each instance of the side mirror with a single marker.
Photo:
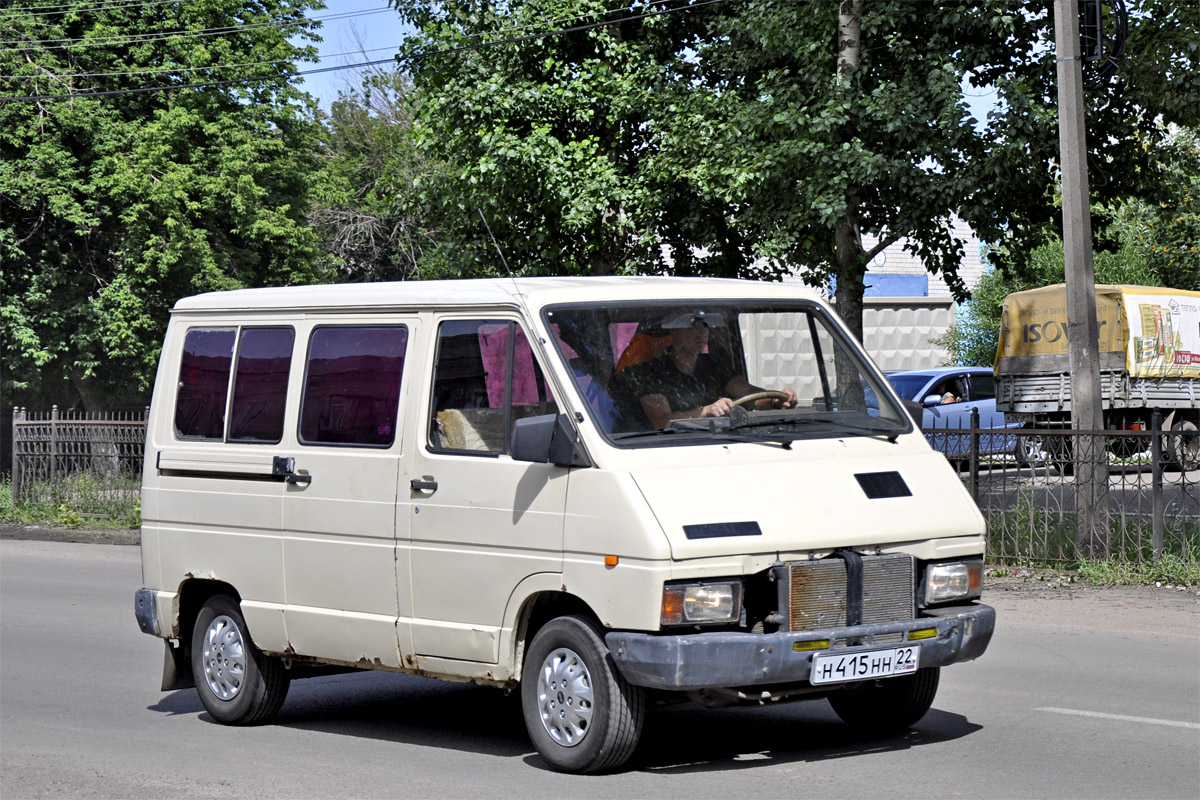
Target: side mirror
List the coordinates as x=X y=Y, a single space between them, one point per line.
x=932 y=400
x=548 y=439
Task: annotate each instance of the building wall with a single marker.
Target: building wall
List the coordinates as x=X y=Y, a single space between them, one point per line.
x=904 y=306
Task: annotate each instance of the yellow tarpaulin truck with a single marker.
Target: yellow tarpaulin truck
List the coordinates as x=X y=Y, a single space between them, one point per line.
x=1149 y=358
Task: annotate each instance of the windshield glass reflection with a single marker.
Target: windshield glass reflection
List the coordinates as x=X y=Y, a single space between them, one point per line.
x=719 y=369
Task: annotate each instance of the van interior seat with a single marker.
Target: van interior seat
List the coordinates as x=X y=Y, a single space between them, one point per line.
x=471 y=429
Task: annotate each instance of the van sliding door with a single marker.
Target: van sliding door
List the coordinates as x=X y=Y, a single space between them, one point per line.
x=339 y=509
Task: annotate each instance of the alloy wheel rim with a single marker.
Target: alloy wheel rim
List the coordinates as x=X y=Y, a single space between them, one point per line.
x=565 y=697
x=223 y=658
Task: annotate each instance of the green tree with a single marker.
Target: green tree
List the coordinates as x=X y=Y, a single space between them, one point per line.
x=1171 y=229
x=369 y=231
x=1130 y=115
x=114 y=206
x=755 y=138
x=556 y=140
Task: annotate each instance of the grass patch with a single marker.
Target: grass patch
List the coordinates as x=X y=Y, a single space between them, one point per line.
x=75 y=503
x=1170 y=570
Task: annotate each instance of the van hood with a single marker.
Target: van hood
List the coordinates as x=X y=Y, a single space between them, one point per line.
x=788 y=503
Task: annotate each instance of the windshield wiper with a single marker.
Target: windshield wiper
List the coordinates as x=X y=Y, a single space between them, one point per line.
x=864 y=430
x=723 y=434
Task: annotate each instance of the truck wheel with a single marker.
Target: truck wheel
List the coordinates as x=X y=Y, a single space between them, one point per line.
x=581 y=713
x=1183 y=445
x=889 y=706
x=1061 y=453
x=1030 y=450
x=237 y=683
x=1126 y=446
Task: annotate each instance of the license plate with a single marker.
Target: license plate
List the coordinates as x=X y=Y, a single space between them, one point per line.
x=864 y=665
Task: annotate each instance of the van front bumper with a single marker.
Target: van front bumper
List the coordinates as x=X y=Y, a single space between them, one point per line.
x=726 y=660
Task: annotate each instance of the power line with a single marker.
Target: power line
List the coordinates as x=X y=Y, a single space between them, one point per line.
x=377 y=62
x=176 y=70
x=140 y=38
x=69 y=8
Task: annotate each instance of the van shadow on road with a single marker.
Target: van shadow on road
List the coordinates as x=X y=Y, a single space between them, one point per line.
x=678 y=738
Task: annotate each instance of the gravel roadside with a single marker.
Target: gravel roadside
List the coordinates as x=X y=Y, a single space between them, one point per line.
x=43 y=533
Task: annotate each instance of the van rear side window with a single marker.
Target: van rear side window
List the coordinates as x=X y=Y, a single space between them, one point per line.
x=204 y=383
x=264 y=357
x=260 y=387
x=352 y=386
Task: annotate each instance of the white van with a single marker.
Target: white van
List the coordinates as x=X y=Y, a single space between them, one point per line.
x=599 y=491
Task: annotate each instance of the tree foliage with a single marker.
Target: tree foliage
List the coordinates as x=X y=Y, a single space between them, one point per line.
x=1171 y=217
x=1130 y=116
x=760 y=138
x=113 y=207
x=555 y=140
x=1145 y=243
x=369 y=230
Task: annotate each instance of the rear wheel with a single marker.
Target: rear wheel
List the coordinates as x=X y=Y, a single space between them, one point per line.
x=1183 y=445
x=1061 y=453
x=889 y=706
x=237 y=683
x=581 y=714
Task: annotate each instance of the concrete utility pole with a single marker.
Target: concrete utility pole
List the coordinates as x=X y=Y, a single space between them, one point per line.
x=1083 y=333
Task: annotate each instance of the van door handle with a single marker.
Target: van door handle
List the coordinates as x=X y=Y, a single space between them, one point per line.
x=285 y=467
x=419 y=485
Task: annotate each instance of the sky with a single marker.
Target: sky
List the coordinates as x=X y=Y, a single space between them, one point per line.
x=348 y=27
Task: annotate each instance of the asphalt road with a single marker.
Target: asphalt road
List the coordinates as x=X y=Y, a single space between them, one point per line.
x=1084 y=693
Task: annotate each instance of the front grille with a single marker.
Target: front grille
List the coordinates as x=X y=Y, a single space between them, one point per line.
x=817 y=593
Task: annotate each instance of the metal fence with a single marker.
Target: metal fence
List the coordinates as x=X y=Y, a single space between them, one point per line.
x=1023 y=480
x=89 y=462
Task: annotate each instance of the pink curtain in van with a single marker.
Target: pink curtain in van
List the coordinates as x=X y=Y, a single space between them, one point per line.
x=493 y=345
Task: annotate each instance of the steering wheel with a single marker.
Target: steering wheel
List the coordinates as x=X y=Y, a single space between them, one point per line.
x=750 y=398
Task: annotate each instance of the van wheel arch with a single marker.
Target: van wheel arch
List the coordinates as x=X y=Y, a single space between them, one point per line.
x=193 y=594
x=542 y=608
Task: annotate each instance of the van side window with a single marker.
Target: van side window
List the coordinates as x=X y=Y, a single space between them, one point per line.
x=485 y=379
x=260 y=385
x=352 y=385
x=204 y=383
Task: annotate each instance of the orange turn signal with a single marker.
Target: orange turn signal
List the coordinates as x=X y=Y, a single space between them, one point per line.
x=610 y=561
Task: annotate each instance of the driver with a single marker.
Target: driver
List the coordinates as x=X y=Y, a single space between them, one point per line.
x=685 y=382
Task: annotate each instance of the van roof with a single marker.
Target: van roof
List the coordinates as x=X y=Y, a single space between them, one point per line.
x=533 y=292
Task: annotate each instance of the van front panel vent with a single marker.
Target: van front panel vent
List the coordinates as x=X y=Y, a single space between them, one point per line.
x=877 y=485
x=818 y=591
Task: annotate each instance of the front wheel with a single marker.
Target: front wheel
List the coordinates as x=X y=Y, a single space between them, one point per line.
x=237 y=683
x=889 y=706
x=582 y=715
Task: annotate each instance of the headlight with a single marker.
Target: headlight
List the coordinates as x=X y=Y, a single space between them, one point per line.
x=956 y=581
x=701 y=603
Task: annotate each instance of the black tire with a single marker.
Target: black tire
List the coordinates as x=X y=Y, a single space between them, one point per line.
x=237 y=683
x=1061 y=453
x=889 y=706
x=581 y=714
x=1183 y=445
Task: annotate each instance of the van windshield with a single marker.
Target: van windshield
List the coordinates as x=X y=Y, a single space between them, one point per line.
x=700 y=370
